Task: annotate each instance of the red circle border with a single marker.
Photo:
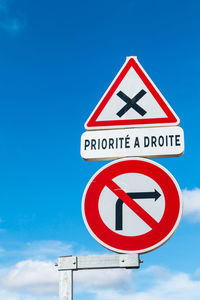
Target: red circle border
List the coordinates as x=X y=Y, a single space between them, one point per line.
x=145 y=242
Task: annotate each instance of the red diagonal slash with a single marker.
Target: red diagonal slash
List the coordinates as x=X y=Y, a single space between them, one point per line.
x=132 y=204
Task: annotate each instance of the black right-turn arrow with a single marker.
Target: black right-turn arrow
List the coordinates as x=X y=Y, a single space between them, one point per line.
x=137 y=195
x=145 y=195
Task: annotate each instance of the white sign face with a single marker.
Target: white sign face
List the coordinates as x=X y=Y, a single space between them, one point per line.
x=132 y=100
x=143 y=142
x=147 y=194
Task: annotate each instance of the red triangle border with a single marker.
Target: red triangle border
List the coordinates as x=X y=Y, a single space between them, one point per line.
x=170 y=119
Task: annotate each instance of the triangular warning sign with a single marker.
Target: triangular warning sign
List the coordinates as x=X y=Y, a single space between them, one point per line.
x=132 y=100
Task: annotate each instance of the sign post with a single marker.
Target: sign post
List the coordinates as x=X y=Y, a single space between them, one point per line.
x=66 y=285
x=132 y=205
x=68 y=264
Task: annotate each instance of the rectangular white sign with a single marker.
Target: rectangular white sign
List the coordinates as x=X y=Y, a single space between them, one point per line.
x=142 y=142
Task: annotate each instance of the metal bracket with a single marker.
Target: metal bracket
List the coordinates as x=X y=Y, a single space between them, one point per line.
x=68 y=264
x=98 y=262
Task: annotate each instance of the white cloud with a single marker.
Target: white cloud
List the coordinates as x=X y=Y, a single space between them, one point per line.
x=29 y=280
x=36 y=277
x=38 y=280
x=7 y=295
x=47 y=249
x=9 y=23
x=42 y=277
x=116 y=279
x=156 y=283
x=191 y=208
x=37 y=250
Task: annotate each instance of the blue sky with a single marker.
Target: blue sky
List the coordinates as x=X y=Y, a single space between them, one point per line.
x=57 y=59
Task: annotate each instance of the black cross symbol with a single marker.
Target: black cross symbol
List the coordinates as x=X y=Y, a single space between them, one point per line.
x=131 y=103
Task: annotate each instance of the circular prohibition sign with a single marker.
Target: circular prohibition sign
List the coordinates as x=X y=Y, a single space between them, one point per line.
x=132 y=205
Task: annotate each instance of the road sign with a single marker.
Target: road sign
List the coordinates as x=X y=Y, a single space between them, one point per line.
x=132 y=100
x=143 y=142
x=132 y=205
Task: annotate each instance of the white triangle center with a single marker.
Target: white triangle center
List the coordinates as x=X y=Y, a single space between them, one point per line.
x=130 y=86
